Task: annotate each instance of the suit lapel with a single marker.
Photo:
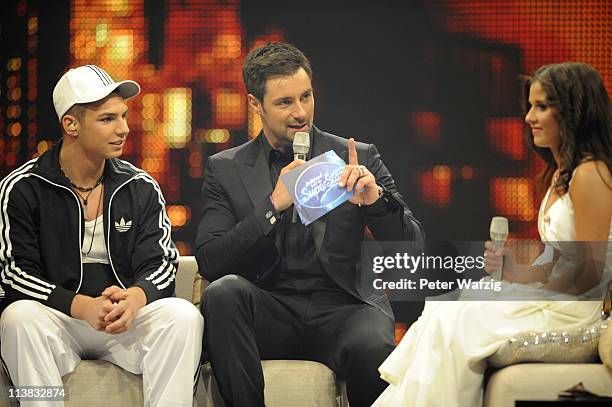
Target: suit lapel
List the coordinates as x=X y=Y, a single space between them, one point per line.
x=255 y=176
x=254 y=172
x=321 y=144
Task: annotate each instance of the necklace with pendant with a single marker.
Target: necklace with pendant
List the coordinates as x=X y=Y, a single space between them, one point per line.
x=86 y=197
x=93 y=233
x=88 y=191
x=78 y=189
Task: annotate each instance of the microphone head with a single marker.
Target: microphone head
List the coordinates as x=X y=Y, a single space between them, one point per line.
x=499 y=228
x=301 y=143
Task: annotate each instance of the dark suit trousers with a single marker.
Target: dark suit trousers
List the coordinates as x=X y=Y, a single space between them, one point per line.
x=245 y=324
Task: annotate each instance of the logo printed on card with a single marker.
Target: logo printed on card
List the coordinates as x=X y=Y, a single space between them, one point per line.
x=317 y=187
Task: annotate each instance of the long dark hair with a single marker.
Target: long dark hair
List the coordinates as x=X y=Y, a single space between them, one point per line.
x=583 y=111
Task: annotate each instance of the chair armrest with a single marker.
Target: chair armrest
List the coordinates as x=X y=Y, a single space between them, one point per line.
x=185 y=277
x=189 y=283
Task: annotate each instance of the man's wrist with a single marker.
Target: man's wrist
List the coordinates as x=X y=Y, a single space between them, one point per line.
x=272 y=202
x=380 y=191
x=139 y=294
x=385 y=204
x=79 y=302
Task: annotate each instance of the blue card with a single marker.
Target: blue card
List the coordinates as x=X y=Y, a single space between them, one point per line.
x=314 y=186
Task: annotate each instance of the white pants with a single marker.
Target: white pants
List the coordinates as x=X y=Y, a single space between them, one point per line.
x=40 y=345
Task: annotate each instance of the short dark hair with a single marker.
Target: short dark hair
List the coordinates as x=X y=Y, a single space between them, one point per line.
x=583 y=112
x=273 y=59
x=77 y=110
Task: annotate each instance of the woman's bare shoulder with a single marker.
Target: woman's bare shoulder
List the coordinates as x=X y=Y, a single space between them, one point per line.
x=591 y=180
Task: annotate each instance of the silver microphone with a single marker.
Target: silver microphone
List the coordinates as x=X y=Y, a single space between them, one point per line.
x=499 y=234
x=301 y=145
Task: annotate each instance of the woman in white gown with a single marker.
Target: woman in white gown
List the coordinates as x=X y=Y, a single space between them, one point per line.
x=442 y=358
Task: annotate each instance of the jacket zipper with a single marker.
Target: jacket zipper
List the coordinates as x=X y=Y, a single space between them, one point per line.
x=110 y=258
x=110 y=200
x=80 y=220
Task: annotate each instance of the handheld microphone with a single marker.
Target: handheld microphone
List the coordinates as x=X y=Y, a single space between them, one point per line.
x=301 y=145
x=499 y=234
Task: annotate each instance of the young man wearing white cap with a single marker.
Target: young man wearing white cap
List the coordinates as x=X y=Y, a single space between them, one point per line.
x=87 y=261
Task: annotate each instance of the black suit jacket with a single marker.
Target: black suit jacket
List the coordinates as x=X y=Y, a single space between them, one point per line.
x=237 y=215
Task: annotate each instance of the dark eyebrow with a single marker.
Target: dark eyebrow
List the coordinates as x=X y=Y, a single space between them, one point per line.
x=536 y=101
x=282 y=99
x=289 y=98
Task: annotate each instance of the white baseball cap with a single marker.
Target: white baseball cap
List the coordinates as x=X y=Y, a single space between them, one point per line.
x=87 y=84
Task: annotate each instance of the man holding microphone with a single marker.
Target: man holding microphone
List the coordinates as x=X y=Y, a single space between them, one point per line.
x=280 y=289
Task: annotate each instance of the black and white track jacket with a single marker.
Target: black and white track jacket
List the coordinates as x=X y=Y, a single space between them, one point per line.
x=41 y=232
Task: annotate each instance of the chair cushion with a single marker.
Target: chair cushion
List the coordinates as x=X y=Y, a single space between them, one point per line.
x=97 y=380
x=187 y=271
x=288 y=383
x=295 y=383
